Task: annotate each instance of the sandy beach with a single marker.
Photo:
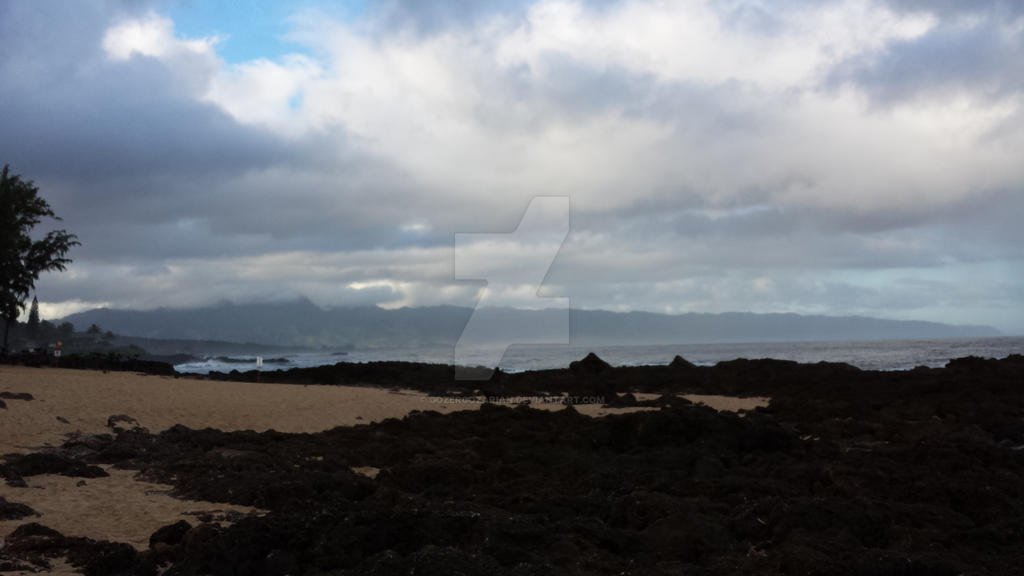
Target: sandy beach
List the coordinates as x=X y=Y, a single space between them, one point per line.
x=121 y=508
x=385 y=479
x=87 y=398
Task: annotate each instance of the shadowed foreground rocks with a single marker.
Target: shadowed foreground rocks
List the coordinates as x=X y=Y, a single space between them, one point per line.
x=34 y=546
x=14 y=510
x=846 y=472
x=89 y=361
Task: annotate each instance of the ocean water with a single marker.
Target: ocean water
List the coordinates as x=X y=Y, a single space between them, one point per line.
x=868 y=355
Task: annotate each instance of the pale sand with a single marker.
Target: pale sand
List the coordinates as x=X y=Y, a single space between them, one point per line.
x=86 y=398
x=118 y=508
x=122 y=509
x=720 y=403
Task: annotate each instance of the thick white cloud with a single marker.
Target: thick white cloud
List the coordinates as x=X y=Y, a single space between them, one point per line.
x=266 y=93
x=694 y=41
x=469 y=113
x=152 y=36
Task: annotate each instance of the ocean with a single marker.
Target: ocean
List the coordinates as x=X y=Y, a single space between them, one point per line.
x=868 y=355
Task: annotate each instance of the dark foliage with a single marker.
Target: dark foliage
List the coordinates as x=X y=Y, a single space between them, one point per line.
x=22 y=258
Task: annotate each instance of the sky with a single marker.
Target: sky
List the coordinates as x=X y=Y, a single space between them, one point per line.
x=840 y=157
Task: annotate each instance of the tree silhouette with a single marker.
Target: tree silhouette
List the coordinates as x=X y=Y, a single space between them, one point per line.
x=23 y=259
x=33 y=316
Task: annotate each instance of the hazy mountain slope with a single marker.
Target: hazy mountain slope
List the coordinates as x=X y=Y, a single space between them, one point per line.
x=301 y=323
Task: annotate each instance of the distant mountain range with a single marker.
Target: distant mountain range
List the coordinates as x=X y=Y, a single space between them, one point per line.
x=303 y=324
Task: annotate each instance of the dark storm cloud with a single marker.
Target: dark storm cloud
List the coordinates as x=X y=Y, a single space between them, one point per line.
x=102 y=126
x=112 y=141
x=141 y=168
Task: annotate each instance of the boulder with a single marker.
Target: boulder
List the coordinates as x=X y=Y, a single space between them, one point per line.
x=590 y=364
x=682 y=363
x=114 y=422
x=16 y=396
x=171 y=535
x=49 y=463
x=14 y=510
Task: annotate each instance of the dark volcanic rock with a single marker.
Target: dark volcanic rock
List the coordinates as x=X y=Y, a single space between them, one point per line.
x=36 y=543
x=590 y=364
x=681 y=363
x=107 y=558
x=15 y=566
x=13 y=478
x=16 y=396
x=93 y=361
x=48 y=463
x=88 y=443
x=172 y=534
x=26 y=534
x=14 y=510
x=431 y=561
x=846 y=472
x=280 y=563
x=114 y=422
x=171 y=359
x=621 y=400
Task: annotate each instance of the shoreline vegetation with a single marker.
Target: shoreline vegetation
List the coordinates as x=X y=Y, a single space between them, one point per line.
x=837 y=471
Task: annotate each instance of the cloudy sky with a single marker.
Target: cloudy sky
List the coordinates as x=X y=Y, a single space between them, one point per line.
x=812 y=156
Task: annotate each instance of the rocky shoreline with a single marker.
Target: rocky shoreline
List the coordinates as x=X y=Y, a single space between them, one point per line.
x=845 y=472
